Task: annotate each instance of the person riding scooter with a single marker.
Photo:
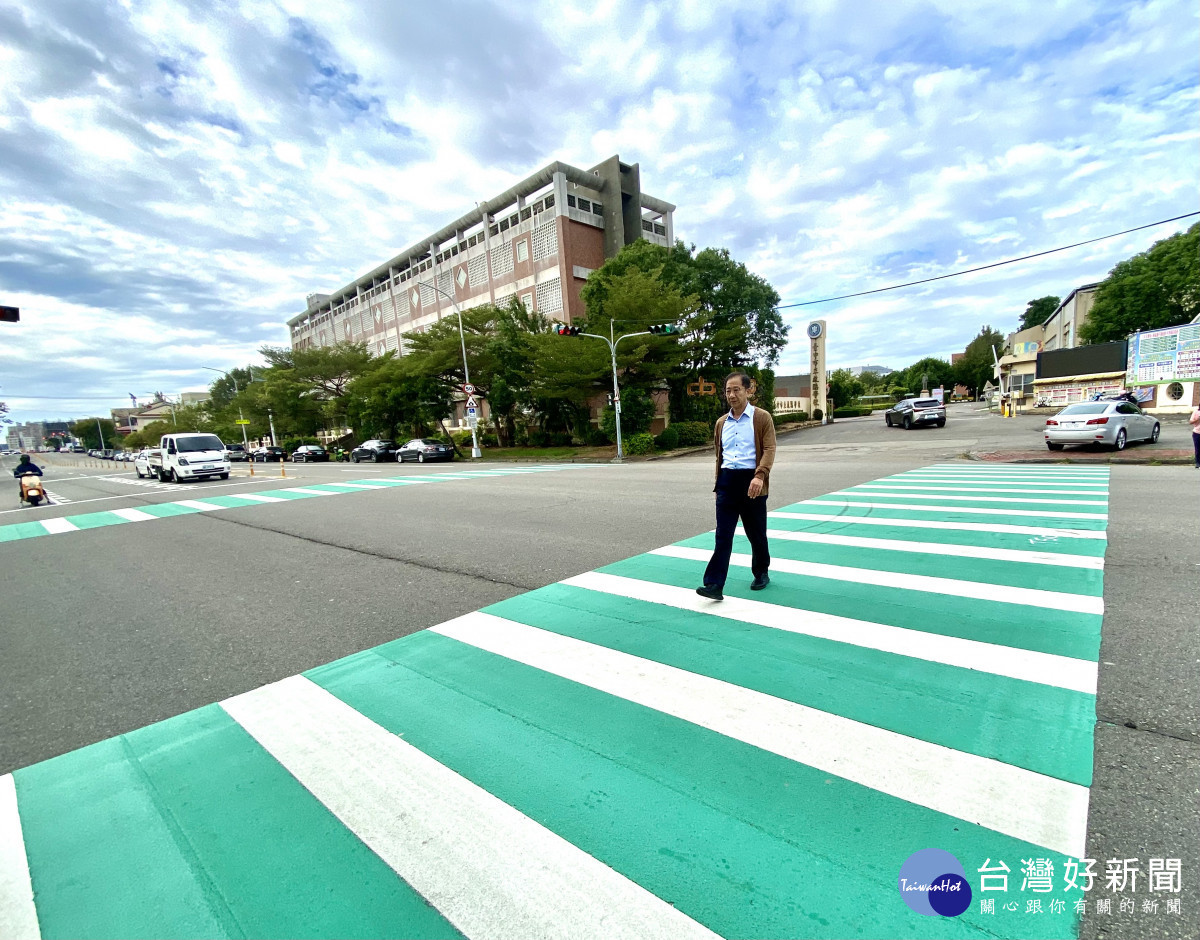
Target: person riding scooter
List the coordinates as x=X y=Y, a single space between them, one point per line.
x=23 y=467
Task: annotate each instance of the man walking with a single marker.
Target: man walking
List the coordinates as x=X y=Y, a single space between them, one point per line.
x=745 y=444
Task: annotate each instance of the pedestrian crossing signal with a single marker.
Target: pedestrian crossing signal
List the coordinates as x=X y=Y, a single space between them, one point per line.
x=664 y=328
x=565 y=330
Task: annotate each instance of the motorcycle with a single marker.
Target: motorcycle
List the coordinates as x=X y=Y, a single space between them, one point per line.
x=32 y=491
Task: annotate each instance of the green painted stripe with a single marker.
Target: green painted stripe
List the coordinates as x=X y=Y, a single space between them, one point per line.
x=984 y=570
x=187 y=828
x=1007 y=504
x=965 y=515
x=166 y=510
x=746 y=842
x=853 y=525
x=1038 y=727
x=1064 y=633
x=21 y=530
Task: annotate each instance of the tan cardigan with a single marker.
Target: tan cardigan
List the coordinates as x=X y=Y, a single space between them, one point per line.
x=764 y=446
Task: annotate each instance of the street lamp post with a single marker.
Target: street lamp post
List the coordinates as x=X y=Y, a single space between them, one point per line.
x=271 y=419
x=475 y=452
x=241 y=418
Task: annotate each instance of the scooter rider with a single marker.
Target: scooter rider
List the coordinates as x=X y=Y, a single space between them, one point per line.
x=24 y=466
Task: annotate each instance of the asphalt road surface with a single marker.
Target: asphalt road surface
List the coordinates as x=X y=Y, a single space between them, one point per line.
x=124 y=605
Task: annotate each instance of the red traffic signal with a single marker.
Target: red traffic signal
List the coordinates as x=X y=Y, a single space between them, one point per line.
x=565 y=330
x=10 y=314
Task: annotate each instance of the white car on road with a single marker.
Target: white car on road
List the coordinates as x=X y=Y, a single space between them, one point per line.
x=141 y=463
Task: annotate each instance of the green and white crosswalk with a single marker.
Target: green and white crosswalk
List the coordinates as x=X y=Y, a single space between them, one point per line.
x=183 y=507
x=614 y=756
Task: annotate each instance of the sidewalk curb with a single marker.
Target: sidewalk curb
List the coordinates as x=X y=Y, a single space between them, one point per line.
x=1149 y=458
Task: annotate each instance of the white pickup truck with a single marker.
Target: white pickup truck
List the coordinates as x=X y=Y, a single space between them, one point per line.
x=193 y=456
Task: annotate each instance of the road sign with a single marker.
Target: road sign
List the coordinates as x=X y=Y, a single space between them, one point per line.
x=471 y=403
x=469 y=389
x=472 y=421
x=241 y=421
x=471 y=412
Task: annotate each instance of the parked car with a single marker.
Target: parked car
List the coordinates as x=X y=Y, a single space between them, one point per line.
x=309 y=453
x=141 y=462
x=236 y=452
x=913 y=412
x=1115 y=423
x=267 y=454
x=374 y=450
x=421 y=450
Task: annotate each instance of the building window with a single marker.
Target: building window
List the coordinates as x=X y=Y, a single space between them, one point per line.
x=660 y=229
x=526 y=213
x=597 y=208
x=527 y=300
x=523 y=249
x=585 y=206
x=570 y=200
x=647 y=226
x=550 y=201
x=1175 y=391
x=504 y=225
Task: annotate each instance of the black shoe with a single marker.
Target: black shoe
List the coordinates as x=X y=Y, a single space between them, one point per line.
x=760 y=581
x=712 y=593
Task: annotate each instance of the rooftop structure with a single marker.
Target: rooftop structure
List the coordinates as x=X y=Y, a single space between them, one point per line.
x=537 y=240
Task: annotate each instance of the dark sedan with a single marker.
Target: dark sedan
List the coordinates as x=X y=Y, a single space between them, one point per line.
x=422 y=450
x=268 y=454
x=375 y=450
x=309 y=453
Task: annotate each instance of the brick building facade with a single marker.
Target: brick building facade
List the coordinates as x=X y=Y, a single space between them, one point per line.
x=538 y=240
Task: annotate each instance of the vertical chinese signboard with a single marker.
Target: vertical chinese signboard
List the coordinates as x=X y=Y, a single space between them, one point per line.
x=819 y=385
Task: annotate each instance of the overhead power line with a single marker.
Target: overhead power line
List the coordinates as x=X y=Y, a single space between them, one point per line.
x=997 y=264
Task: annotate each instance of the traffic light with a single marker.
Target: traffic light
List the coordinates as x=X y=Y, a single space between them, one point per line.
x=664 y=328
x=565 y=330
x=10 y=314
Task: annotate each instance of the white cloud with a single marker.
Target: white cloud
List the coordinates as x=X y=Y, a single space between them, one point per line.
x=178 y=176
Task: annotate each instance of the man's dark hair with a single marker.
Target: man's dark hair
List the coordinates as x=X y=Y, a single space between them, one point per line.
x=739 y=374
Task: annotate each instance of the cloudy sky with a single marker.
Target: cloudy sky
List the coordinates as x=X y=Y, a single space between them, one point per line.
x=176 y=175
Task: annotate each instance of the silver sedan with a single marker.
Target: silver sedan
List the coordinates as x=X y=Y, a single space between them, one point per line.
x=1113 y=423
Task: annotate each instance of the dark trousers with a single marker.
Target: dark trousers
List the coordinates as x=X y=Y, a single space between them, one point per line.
x=1196 y=447
x=733 y=504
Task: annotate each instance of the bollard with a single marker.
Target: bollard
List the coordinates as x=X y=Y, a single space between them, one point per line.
x=282 y=467
x=251 y=462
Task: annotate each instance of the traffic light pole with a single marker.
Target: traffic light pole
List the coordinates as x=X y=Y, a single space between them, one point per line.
x=612 y=349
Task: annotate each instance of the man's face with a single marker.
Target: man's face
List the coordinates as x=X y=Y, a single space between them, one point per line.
x=736 y=393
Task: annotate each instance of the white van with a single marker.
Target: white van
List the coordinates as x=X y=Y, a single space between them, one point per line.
x=193 y=456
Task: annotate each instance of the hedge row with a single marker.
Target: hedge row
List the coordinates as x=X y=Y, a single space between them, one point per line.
x=852 y=412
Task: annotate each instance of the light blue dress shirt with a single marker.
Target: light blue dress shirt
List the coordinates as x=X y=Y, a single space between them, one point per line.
x=737 y=441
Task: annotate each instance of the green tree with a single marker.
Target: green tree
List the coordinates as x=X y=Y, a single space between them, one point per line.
x=977 y=364
x=1038 y=312
x=389 y=400
x=844 y=388
x=637 y=414
x=86 y=430
x=937 y=371
x=739 y=324
x=1152 y=290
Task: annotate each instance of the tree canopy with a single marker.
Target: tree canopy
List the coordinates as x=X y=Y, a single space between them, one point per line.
x=977 y=364
x=1038 y=311
x=1155 y=289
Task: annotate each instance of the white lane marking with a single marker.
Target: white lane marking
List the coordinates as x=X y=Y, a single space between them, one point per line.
x=1041 y=531
x=980 y=499
x=197 y=504
x=54 y=499
x=978 y=510
x=260 y=498
x=54 y=526
x=984 y=791
x=357 y=470
x=133 y=515
x=952 y=587
x=18 y=913
x=1041 y=471
x=489 y=869
x=962 y=490
x=937 y=548
x=360 y=486
x=300 y=489
x=1063 y=672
